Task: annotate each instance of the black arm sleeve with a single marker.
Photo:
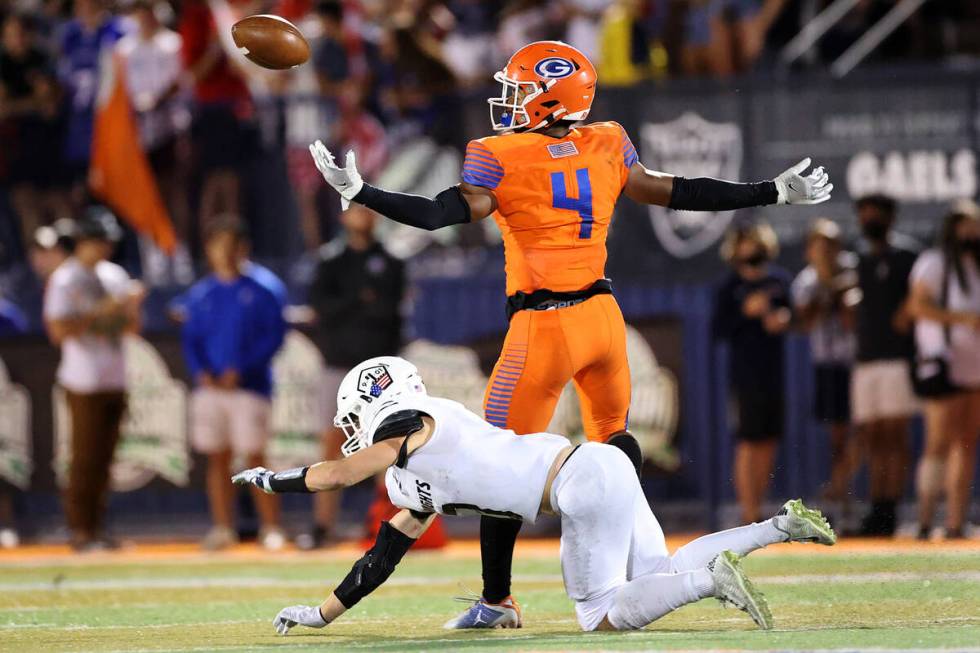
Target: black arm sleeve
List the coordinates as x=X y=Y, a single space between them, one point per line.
x=707 y=194
x=291 y=480
x=445 y=209
x=375 y=566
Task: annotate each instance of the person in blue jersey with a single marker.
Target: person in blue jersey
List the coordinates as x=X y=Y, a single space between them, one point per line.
x=233 y=329
x=92 y=33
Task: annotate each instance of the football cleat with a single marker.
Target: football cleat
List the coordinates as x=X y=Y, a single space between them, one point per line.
x=506 y=614
x=732 y=587
x=801 y=524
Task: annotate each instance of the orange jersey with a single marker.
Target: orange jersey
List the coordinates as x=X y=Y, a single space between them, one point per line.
x=555 y=200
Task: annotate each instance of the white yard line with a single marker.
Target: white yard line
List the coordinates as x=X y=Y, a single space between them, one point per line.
x=218 y=582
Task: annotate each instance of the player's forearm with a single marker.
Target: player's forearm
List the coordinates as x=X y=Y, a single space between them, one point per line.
x=445 y=209
x=698 y=194
x=708 y=194
x=374 y=568
x=328 y=475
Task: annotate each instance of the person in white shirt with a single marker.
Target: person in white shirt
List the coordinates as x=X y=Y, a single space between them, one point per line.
x=89 y=304
x=150 y=55
x=440 y=458
x=945 y=302
x=824 y=294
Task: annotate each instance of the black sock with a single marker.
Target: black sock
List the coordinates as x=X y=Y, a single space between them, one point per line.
x=625 y=442
x=497 y=538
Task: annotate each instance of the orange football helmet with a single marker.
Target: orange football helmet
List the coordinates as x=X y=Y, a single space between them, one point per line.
x=543 y=82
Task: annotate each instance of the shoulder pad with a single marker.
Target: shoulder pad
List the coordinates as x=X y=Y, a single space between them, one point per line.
x=398 y=424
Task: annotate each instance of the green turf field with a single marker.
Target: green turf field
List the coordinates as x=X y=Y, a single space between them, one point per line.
x=840 y=600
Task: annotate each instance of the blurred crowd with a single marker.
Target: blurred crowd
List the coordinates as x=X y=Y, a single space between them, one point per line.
x=382 y=72
x=894 y=330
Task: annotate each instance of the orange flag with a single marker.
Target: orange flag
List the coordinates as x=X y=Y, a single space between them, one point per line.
x=119 y=173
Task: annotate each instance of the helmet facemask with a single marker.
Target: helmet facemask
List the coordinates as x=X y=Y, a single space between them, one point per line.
x=349 y=422
x=508 y=111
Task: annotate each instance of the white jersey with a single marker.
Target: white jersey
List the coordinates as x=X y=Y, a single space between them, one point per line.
x=469 y=466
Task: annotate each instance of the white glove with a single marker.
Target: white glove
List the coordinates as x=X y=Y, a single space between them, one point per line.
x=346 y=181
x=796 y=189
x=304 y=615
x=258 y=476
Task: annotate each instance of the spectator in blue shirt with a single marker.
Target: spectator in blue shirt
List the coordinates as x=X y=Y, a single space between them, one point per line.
x=234 y=327
x=92 y=32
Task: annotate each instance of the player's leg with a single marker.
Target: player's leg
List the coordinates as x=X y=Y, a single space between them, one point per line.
x=596 y=335
x=524 y=388
x=530 y=374
x=793 y=523
x=602 y=505
x=595 y=499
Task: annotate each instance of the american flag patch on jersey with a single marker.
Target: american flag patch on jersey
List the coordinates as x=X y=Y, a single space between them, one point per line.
x=559 y=150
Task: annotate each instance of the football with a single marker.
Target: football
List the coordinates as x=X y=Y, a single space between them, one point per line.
x=270 y=41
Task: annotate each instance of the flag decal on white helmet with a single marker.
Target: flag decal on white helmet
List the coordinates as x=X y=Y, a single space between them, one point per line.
x=373 y=381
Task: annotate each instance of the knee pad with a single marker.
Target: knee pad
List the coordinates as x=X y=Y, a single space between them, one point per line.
x=625 y=442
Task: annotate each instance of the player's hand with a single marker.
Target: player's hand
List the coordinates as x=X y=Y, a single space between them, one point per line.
x=793 y=188
x=346 y=181
x=260 y=477
x=303 y=615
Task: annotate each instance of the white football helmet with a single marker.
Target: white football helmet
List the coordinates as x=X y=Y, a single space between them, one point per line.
x=368 y=387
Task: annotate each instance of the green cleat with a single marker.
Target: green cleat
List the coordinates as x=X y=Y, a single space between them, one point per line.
x=801 y=524
x=732 y=587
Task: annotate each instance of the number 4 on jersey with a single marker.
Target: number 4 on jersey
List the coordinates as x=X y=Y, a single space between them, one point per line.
x=582 y=204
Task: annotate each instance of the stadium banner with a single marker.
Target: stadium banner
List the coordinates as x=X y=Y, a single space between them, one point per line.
x=153 y=440
x=297 y=405
x=920 y=148
x=16 y=448
x=916 y=147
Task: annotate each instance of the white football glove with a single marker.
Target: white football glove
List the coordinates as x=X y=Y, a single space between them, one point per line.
x=346 y=181
x=258 y=476
x=304 y=615
x=793 y=188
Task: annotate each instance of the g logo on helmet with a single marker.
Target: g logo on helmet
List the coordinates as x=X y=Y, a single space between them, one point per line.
x=554 y=68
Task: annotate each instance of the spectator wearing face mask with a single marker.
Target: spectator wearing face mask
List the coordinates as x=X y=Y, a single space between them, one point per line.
x=752 y=314
x=945 y=302
x=882 y=401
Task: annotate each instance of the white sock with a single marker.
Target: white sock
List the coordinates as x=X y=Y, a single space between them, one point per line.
x=647 y=598
x=742 y=540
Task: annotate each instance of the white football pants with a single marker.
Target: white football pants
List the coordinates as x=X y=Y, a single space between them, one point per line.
x=614 y=559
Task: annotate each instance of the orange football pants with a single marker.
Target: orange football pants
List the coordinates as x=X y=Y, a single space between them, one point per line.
x=544 y=350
